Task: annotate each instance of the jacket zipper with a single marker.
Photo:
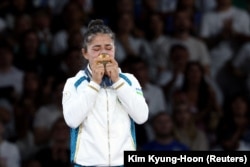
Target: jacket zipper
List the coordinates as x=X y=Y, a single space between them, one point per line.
x=108 y=128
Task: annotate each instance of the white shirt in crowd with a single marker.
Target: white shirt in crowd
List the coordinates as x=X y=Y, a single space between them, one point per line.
x=60 y=41
x=58 y=5
x=9 y=155
x=197 y=49
x=46 y=116
x=158 y=48
x=156 y=102
x=155 y=99
x=167 y=6
x=205 y=6
x=138 y=45
x=212 y=24
x=167 y=76
x=14 y=78
x=3 y=25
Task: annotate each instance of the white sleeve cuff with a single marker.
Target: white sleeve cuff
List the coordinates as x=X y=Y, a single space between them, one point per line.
x=94 y=86
x=118 y=84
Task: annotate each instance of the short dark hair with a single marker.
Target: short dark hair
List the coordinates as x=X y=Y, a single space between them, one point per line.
x=175 y=47
x=157 y=115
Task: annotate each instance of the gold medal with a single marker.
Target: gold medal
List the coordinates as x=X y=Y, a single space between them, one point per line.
x=104 y=56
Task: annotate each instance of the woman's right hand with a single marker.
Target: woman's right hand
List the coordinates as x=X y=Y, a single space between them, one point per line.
x=98 y=71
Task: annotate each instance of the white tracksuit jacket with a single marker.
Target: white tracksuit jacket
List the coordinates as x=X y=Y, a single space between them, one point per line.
x=102 y=118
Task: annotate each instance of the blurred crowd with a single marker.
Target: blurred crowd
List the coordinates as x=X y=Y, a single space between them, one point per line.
x=191 y=58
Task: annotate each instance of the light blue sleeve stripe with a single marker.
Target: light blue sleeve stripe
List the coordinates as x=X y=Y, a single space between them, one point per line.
x=125 y=78
x=73 y=141
x=132 y=129
x=132 y=123
x=80 y=80
x=74 y=132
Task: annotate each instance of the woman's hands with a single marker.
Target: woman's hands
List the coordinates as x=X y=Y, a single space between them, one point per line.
x=109 y=68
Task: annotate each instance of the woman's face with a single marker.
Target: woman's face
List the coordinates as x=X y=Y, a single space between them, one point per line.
x=240 y=109
x=31 y=82
x=100 y=43
x=183 y=115
x=194 y=74
x=156 y=24
x=179 y=58
x=163 y=125
x=31 y=42
x=239 y=106
x=182 y=22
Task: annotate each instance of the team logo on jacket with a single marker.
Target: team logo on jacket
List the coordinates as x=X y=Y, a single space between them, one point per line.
x=139 y=91
x=66 y=96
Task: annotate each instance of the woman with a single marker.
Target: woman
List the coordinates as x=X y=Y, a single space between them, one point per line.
x=201 y=96
x=100 y=104
x=185 y=129
x=238 y=111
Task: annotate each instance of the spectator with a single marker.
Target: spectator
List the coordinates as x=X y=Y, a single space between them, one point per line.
x=167 y=6
x=198 y=51
x=203 y=99
x=7 y=118
x=31 y=99
x=42 y=24
x=185 y=129
x=47 y=114
x=164 y=139
x=240 y=65
x=140 y=69
x=127 y=44
x=132 y=7
x=32 y=88
x=28 y=56
x=24 y=133
x=224 y=30
x=72 y=62
x=171 y=79
x=205 y=6
x=15 y=9
x=75 y=40
x=55 y=6
x=3 y=25
x=155 y=36
x=11 y=78
x=147 y=7
x=190 y=7
x=57 y=153
x=73 y=19
x=238 y=111
x=22 y=23
x=9 y=153
x=229 y=138
x=87 y=6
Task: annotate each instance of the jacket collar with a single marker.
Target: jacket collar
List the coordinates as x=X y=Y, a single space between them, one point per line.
x=106 y=81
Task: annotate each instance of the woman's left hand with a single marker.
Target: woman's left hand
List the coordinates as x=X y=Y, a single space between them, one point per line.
x=111 y=70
